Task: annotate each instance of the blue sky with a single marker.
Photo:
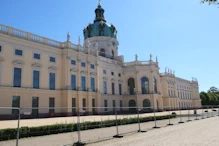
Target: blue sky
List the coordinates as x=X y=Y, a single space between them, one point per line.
x=182 y=33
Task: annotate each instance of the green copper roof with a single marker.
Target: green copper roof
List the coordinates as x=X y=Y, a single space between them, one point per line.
x=99 y=27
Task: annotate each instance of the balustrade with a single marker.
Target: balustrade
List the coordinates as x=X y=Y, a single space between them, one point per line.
x=3 y=29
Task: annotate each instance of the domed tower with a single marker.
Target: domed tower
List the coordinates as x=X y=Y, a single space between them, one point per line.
x=101 y=36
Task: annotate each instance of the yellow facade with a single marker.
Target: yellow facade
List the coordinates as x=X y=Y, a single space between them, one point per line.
x=38 y=72
x=171 y=90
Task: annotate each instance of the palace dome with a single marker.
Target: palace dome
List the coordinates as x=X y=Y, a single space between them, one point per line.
x=99 y=27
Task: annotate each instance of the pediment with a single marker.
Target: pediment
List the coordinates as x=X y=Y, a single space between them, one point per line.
x=52 y=68
x=120 y=81
x=83 y=72
x=113 y=80
x=36 y=65
x=105 y=78
x=73 y=70
x=92 y=73
x=18 y=62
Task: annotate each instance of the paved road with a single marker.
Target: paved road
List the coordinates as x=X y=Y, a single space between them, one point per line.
x=93 y=135
x=198 y=133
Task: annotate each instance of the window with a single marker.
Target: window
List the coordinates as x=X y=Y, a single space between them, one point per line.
x=147 y=105
x=112 y=53
x=84 y=104
x=93 y=106
x=83 y=83
x=36 y=56
x=112 y=73
x=169 y=92
x=120 y=105
x=145 y=85
x=17 y=77
x=73 y=62
x=131 y=86
x=73 y=102
x=83 y=64
x=120 y=89
x=102 y=52
x=51 y=105
x=92 y=66
x=105 y=105
x=155 y=85
x=104 y=87
x=119 y=74
x=0 y=48
x=35 y=105
x=113 y=88
x=52 y=59
x=104 y=71
x=36 y=79
x=15 y=104
x=18 y=52
x=73 y=82
x=92 y=84
x=52 y=81
x=114 y=103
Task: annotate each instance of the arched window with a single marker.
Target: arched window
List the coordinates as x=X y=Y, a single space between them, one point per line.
x=155 y=85
x=132 y=105
x=112 y=53
x=102 y=52
x=144 y=85
x=146 y=105
x=131 y=86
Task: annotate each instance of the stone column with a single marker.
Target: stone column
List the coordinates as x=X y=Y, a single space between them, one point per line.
x=97 y=77
x=78 y=84
x=88 y=76
x=97 y=88
x=151 y=86
x=137 y=82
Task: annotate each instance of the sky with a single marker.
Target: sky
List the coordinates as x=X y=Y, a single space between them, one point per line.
x=182 y=33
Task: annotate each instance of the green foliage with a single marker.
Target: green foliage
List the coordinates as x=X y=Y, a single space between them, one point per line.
x=8 y=134
x=211 y=97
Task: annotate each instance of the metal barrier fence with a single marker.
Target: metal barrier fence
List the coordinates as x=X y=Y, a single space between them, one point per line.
x=77 y=126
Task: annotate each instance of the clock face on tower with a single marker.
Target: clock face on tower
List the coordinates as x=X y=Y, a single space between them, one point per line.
x=113 y=43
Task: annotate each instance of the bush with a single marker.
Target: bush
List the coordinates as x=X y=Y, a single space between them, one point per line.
x=10 y=133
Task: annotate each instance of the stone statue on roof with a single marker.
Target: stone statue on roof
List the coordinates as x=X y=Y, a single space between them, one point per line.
x=79 y=40
x=136 y=57
x=68 y=37
x=150 y=56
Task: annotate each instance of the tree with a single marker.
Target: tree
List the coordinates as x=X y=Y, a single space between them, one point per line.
x=211 y=97
x=213 y=89
x=210 y=1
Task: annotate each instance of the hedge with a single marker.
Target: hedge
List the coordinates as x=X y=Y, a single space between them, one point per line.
x=10 y=133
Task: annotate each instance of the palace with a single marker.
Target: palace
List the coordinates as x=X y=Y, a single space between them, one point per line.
x=41 y=73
